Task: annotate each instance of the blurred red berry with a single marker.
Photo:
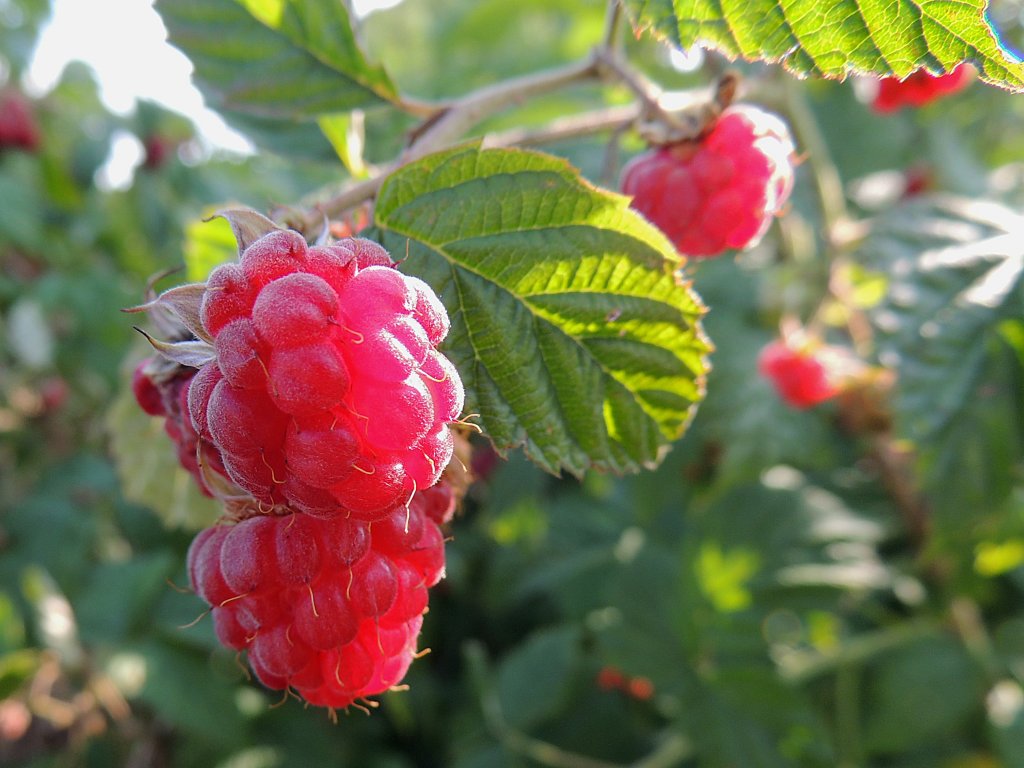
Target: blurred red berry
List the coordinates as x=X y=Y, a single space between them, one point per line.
x=801 y=378
x=18 y=126
x=610 y=678
x=157 y=149
x=54 y=390
x=918 y=89
x=640 y=688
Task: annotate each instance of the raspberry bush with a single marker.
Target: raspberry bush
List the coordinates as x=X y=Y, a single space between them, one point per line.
x=559 y=385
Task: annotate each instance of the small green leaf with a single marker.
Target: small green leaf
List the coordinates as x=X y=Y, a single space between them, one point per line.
x=346 y=134
x=208 y=244
x=835 y=39
x=571 y=329
x=290 y=59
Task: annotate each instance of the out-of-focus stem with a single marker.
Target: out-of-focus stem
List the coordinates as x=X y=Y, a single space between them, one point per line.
x=827 y=183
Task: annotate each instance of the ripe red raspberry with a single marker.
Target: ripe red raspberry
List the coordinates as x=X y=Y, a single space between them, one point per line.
x=800 y=377
x=918 y=89
x=162 y=390
x=327 y=393
x=720 y=191
x=329 y=608
x=18 y=126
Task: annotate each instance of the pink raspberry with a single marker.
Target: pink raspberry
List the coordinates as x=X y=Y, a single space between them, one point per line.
x=720 y=191
x=801 y=379
x=329 y=608
x=918 y=89
x=327 y=393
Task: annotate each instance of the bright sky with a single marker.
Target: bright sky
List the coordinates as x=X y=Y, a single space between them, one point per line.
x=133 y=61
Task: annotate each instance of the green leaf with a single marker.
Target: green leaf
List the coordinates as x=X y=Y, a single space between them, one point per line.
x=190 y=693
x=291 y=59
x=347 y=136
x=208 y=244
x=746 y=716
x=149 y=469
x=902 y=707
x=573 y=334
x=532 y=681
x=835 y=39
x=956 y=271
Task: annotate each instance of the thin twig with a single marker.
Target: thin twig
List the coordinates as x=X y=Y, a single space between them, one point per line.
x=478 y=105
x=647 y=91
x=894 y=468
x=569 y=127
x=827 y=183
x=610 y=41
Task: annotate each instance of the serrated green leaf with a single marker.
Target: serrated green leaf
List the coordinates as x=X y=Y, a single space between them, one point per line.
x=572 y=332
x=291 y=59
x=835 y=39
x=956 y=270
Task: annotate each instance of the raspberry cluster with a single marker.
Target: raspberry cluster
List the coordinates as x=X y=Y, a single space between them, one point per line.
x=326 y=393
x=311 y=399
x=331 y=612
x=720 y=191
x=918 y=89
x=800 y=377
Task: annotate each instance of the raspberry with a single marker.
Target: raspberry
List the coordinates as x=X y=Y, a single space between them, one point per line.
x=164 y=391
x=610 y=678
x=326 y=394
x=18 y=126
x=801 y=378
x=146 y=393
x=157 y=151
x=918 y=89
x=720 y=191
x=329 y=608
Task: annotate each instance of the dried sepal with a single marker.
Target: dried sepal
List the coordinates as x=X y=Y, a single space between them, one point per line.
x=184 y=302
x=192 y=353
x=247 y=225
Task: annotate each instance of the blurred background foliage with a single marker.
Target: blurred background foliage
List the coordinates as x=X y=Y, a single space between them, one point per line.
x=787 y=589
